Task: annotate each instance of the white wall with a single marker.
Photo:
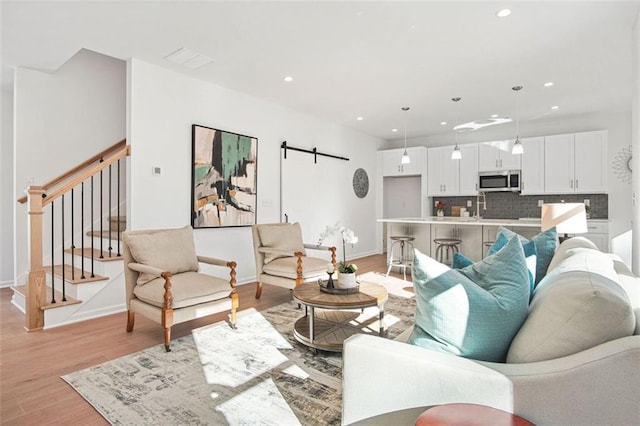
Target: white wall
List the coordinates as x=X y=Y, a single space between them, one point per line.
x=635 y=120
x=618 y=124
x=61 y=119
x=163 y=105
x=6 y=190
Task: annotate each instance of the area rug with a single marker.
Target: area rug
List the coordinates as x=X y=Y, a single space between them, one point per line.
x=254 y=375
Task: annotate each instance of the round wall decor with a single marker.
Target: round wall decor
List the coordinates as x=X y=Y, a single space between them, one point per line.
x=360 y=183
x=622 y=164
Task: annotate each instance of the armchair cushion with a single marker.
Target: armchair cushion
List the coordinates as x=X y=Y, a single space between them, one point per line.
x=473 y=312
x=151 y=250
x=286 y=267
x=187 y=289
x=281 y=236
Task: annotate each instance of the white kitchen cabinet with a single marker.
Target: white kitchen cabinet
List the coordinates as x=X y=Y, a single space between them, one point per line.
x=496 y=155
x=598 y=233
x=443 y=172
x=392 y=161
x=532 y=177
x=468 y=184
x=575 y=163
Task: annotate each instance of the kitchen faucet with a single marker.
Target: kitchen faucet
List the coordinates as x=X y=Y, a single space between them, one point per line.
x=478 y=202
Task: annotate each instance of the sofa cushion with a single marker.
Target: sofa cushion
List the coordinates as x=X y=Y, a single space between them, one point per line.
x=578 y=305
x=460 y=261
x=170 y=250
x=281 y=236
x=545 y=242
x=473 y=312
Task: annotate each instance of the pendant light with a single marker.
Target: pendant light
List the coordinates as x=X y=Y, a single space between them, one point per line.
x=405 y=156
x=456 y=154
x=517 y=149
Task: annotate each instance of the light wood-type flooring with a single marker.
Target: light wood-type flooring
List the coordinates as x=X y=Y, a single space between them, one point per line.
x=31 y=390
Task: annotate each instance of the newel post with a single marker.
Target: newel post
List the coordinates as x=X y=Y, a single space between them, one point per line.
x=36 y=287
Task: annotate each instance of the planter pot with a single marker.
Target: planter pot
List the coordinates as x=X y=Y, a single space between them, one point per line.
x=346 y=280
x=440 y=213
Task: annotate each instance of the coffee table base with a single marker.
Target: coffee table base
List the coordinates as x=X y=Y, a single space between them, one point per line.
x=332 y=327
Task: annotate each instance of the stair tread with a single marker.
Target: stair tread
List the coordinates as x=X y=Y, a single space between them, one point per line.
x=95 y=254
x=22 y=290
x=113 y=235
x=57 y=270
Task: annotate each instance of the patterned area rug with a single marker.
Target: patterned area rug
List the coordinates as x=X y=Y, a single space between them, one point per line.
x=257 y=374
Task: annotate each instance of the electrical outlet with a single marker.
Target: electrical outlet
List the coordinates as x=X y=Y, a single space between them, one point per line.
x=156 y=171
x=540 y=203
x=587 y=202
x=469 y=203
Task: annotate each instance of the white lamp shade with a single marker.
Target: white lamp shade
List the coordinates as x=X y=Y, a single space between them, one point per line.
x=405 y=158
x=456 y=154
x=517 y=148
x=568 y=218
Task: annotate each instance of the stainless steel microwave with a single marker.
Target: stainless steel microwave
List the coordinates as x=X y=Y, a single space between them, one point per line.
x=507 y=180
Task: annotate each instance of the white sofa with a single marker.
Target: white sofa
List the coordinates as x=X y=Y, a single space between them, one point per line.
x=392 y=382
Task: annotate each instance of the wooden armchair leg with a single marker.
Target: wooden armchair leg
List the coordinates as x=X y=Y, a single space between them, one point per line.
x=131 y=319
x=258 y=290
x=167 y=339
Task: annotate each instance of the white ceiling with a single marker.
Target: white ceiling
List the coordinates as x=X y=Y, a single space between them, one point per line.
x=351 y=59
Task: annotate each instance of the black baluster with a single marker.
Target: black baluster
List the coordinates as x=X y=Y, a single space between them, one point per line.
x=82 y=228
x=101 y=214
x=73 y=245
x=64 y=299
x=53 y=275
x=109 y=212
x=118 y=212
x=92 y=245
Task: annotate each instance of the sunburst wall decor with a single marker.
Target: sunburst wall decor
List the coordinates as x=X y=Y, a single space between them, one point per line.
x=622 y=164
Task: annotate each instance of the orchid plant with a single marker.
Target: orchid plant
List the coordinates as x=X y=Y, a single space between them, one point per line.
x=347 y=237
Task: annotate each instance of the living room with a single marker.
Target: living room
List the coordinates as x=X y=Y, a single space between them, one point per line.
x=154 y=108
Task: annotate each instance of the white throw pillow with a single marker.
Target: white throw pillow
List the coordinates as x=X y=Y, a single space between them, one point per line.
x=578 y=305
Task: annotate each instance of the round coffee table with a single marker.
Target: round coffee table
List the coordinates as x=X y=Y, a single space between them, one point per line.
x=338 y=316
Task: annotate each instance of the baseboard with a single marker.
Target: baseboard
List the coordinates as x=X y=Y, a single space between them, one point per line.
x=4 y=284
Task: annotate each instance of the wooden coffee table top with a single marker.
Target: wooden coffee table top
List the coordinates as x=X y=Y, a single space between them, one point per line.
x=370 y=294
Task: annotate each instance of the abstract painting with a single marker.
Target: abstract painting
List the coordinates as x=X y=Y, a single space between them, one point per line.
x=224 y=178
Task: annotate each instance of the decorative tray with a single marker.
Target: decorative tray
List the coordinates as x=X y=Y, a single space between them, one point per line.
x=332 y=290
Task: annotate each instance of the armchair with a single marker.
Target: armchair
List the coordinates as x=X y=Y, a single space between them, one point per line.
x=163 y=282
x=281 y=257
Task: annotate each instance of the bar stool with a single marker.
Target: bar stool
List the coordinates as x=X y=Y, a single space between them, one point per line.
x=448 y=245
x=405 y=258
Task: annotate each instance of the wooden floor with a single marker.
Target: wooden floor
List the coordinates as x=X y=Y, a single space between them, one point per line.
x=31 y=390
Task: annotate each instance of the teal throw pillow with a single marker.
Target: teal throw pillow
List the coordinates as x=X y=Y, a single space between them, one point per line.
x=460 y=261
x=473 y=312
x=530 y=255
x=546 y=243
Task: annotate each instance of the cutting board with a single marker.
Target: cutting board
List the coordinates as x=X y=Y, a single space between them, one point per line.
x=455 y=210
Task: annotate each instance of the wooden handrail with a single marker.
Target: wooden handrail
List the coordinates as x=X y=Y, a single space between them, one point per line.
x=115 y=147
x=86 y=174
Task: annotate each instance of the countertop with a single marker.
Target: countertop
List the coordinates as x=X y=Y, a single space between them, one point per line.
x=454 y=220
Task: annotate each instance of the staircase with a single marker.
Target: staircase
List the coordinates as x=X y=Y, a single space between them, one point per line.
x=75 y=271
x=87 y=294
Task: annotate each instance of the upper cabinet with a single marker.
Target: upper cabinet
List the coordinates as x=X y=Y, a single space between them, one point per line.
x=493 y=156
x=392 y=164
x=442 y=171
x=532 y=177
x=468 y=166
x=576 y=163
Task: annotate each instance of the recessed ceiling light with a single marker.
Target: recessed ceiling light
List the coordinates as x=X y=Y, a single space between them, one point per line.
x=548 y=84
x=503 y=13
x=394 y=130
x=494 y=115
x=555 y=107
x=360 y=118
x=288 y=79
x=188 y=58
x=442 y=123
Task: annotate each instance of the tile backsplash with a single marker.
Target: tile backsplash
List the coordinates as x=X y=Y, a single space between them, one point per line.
x=512 y=205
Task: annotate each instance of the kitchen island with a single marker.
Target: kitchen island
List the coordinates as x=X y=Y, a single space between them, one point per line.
x=472 y=231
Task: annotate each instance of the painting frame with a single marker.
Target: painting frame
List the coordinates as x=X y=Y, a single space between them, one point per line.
x=224 y=178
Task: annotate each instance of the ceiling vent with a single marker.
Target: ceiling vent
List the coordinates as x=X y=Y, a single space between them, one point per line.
x=188 y=58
